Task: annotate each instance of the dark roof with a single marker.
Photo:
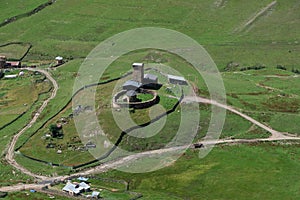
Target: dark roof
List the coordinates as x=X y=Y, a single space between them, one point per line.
x=131 y=93
x=13 y=63
x=150 y=76
x=132 y=83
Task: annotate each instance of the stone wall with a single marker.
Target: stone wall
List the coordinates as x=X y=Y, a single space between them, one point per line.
x=136 y=105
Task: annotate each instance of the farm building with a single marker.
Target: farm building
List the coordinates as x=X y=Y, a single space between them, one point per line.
x=83 y=179
x=13 y=64
x=72 y=189
x=11 y=76
x=95 y=194
x=150 y=78
x=177 y=80
x=131 y=94
x=59 y=60
x=138 y=72
x=76 y=189
x=131 y=85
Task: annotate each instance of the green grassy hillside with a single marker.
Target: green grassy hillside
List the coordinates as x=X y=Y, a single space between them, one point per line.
x=72 y=28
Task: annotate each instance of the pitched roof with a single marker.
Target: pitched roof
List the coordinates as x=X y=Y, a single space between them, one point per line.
x=59 y=58
x=70 y=187
x=132 y=83
x=13 y=63
x=95 y=194
x=82 y=179
x=83 y=185
x=131 y=93
x=179 y=78
x=150 y=76
x=137 y=64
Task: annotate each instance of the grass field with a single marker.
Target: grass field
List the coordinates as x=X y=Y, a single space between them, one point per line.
x=234 y=126
x=14 y=51
x=17 y=95
x=72 y=28
x=13 y=8
x=258 y=171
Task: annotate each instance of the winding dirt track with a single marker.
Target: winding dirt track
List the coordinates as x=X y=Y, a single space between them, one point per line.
x=11 y=148
x=45 y=181
x=275 y=134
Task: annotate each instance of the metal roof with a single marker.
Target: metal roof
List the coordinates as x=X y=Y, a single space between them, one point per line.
x=59 y=58
x=137 y=64
x=84 y=185
x=150 y=76
x=131 y=93
x=132 y=83
x=82 y=179
x=179 y=78
x=95 y=194
x=70 y=187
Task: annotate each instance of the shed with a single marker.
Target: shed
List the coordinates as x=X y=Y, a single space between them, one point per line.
x=13 y=64
x=90 y=145
x=177 y=80
x=84 y=186
x=131 y=93
x=59 y=60
x=21 y=73
x=72 y=189
x=82 y=179
x=11 y=76
x=95 y=194
x=150 y=78
x=131 y=85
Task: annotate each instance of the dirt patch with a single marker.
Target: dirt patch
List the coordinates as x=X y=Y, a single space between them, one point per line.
x=253 y=19
x=220 y=3
x=280 y=104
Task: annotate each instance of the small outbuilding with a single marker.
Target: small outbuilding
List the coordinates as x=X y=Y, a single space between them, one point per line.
x=21 y=73
x=11 y=76
x=95 y=194
x=59 y=60
x=132 y=95
x=150 y=78
x=85 y=187
x=82 y=179
x=90 y=145
x=13 y=64
x=177 y=80
x=72 y=189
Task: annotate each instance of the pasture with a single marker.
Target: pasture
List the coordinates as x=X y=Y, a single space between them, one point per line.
x=72 y=28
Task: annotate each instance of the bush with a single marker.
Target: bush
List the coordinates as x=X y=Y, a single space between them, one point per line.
x=296 y=71
x=281 y=67
x=3 y=194
x=255 y=67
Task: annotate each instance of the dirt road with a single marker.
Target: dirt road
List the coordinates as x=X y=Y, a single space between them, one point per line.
x=275 y=134
x=11 y=148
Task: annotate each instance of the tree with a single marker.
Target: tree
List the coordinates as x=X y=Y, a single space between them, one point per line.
x=55 y=130
x=1 y=73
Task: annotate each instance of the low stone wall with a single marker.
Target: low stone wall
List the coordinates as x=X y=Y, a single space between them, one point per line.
x=136 y=105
